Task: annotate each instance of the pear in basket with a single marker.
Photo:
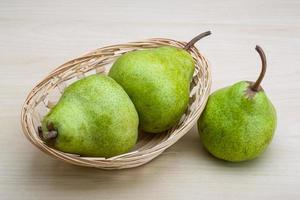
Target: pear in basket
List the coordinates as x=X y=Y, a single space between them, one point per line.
x=158 y=82
x=94 y=117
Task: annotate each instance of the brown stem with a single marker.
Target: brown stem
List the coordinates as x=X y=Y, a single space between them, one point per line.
x=49 y=135
x=256 y=85
x=46 y=136
x=196 y=39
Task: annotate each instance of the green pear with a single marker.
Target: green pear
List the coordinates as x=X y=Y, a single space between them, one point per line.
x=94 y=117
x=239 y=121
x=158 y=81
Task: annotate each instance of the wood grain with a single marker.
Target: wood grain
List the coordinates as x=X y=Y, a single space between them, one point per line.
x=37 y=36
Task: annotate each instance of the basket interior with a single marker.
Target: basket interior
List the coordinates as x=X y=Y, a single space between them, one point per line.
x=47 y=93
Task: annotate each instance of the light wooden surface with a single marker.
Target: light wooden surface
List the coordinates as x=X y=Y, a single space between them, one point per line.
x=36 y=36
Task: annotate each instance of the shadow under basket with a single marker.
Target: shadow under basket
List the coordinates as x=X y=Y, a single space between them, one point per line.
x=45 y=94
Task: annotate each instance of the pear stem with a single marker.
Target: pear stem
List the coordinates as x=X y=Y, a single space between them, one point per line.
x=50 y=135
x=256 y=85
x=196 y=39
x=46 y=136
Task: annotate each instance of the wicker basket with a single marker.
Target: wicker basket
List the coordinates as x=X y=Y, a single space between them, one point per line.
x=45 y=94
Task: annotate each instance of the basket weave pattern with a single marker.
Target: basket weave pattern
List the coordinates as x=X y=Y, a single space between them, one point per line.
x=45 y=94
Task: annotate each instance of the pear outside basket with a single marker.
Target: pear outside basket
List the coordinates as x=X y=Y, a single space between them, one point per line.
x=45 y=94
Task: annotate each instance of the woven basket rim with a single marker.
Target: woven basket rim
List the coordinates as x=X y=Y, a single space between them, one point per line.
x=127 y=158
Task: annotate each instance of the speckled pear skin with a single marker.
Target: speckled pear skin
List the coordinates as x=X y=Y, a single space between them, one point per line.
x=157 y=81
x=234 y=127
x=94 y=117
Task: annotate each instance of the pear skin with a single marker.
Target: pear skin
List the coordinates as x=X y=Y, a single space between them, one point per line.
x=158 y=82
x=239 y=121
x=94 y=117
